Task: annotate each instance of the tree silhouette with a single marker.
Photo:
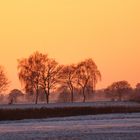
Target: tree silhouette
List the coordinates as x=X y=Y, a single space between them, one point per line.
x=30 y=72
x=14 y=95
x=138 y=86
x=3 y=80
x=119 y=88
x=50 y=76
x=39 y=72
x=136 y=94
x=68 y=76
x=87 y=75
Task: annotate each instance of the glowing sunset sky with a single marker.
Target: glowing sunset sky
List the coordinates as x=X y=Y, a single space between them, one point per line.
x=71 y=30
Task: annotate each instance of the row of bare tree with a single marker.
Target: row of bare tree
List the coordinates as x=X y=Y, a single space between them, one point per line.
x=41 y=75
x=38 y=71
x=118 y=91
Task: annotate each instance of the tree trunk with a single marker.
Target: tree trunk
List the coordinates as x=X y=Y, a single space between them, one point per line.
x=84 y=96
x=72 y=96
x=36 y=101
x=47 y=99
x=120 y=96
x=47 y=96
x=71 y=91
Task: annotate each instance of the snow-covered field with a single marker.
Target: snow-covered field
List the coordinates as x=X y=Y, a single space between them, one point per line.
x=61 y=105
x=98 y=127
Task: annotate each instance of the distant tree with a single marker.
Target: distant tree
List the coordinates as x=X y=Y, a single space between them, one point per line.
x=3 y=80
x=14 y=95
x=41 y=95
x=87 y=75
x=63 y=94
x=68 y=77
x=119 y=88
x=110 y=93
x=138 y=86
x=30 y=72
x=136 y=94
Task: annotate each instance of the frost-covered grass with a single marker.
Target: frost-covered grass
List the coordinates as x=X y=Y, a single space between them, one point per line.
x=98 y=127
x=76 y=104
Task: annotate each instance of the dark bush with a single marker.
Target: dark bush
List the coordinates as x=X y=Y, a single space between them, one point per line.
x=19 y=114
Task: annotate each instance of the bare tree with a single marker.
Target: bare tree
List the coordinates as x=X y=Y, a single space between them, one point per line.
x=87 y=75
x=3 y=80
x=39 y=72
x=69 y=78
x=50 y=76
x=30 y=72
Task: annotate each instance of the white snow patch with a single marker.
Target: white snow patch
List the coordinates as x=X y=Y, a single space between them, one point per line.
x=98 y=127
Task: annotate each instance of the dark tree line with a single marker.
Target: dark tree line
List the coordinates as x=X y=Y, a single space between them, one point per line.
x=41 y=72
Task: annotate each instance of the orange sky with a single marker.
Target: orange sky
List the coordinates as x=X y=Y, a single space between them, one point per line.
x=71 y=30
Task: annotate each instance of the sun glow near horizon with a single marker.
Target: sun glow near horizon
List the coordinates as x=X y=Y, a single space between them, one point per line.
x=70 y=31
